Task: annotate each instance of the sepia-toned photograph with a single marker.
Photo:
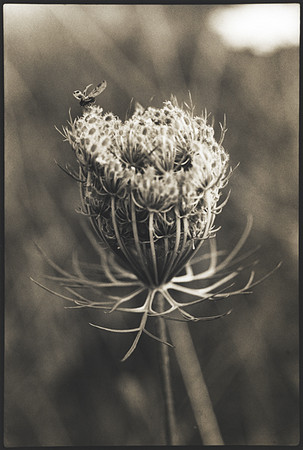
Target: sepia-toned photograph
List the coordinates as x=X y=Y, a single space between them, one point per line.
x=151 y=162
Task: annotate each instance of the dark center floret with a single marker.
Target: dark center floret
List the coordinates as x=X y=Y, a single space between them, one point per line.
x=133 y=156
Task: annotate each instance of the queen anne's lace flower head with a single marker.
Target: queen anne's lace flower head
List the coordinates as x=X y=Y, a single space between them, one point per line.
x=151 y=188
x=150 y=185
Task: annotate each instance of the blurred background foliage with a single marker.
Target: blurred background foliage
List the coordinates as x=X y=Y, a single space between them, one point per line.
x=64 y=383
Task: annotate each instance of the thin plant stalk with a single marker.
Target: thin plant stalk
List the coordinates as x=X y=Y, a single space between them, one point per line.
x=195 y=384
x=170 y=417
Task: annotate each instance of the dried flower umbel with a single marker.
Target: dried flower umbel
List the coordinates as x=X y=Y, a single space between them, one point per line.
x=151 y=188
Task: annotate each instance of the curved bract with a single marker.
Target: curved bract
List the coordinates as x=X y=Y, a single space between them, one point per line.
x=218 y=283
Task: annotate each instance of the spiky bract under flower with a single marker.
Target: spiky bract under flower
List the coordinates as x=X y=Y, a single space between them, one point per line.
x=217 y=283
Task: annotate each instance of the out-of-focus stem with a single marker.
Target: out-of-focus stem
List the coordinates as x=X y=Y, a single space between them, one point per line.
x=170 y=418
x=195 y=383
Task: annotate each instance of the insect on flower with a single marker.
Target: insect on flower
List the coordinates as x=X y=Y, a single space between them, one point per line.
x=88 y=99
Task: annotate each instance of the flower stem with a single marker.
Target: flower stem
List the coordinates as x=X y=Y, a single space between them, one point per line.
x=170 y=419
x=195 y=384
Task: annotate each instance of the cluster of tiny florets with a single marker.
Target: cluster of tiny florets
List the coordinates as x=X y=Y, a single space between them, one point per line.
x=150 y=185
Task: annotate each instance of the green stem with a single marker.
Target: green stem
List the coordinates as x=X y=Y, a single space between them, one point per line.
x=170 y=422
x=195 y=383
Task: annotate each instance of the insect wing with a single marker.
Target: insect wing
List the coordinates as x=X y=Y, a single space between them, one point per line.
x=85 y=90
x=98 y=89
